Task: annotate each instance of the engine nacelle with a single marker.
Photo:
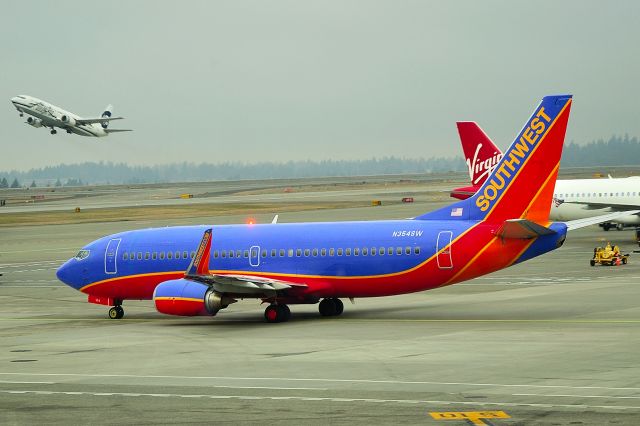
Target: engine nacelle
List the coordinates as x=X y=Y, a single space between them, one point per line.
x=68 y=120
x=35 y=122
x=188 y=298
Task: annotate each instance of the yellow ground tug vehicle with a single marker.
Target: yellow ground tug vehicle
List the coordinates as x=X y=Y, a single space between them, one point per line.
x=608 y=256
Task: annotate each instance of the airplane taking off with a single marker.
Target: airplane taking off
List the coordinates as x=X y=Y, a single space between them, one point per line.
x=44 y=114
x=573 y=199
x=199 y=270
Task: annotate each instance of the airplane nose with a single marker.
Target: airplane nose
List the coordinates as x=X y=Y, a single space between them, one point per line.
x=65 y=273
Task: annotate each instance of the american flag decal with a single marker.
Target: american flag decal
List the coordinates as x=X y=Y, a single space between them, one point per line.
x=456 y=212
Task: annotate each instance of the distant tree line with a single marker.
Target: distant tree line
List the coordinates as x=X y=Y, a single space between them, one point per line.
x=617 y=151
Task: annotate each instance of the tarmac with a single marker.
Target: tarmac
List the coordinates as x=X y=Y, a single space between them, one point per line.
x=551 y=341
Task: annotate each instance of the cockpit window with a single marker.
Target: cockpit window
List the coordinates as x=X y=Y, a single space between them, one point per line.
x=82 y=254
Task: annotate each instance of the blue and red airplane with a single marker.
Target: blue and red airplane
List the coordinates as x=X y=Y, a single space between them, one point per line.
x=199 y=270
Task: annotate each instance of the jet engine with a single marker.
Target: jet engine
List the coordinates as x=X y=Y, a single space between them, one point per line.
x=35 y=122
x=68 y=120
x=188 y=298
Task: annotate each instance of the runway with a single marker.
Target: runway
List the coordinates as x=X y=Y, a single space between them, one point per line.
x=550 y=341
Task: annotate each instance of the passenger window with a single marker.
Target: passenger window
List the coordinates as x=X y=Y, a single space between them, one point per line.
x=339 y=252
x=125 y=256
x=139 y=256
x=154 y=256
x=193 y=254
x=416 y=250
x=146 y=256
x=365 y=251
x=332 y=252
x=177 y=255
x=273 y=252
x=307 y=252
x=347 y=252
x=315 y=252
x=407 y=250
x=398 y=251
x=185 y=254
x=246 y=254
x=390 y=251
x=230 y=253
x=169 y=255
x=281 y=252
x=298 y=252
x=161 y=255
x=223 y=254
x=290 y=253
x=356 y=251
x=323 y=252
x=381 y=251
x=238 y=254
x=216 y=254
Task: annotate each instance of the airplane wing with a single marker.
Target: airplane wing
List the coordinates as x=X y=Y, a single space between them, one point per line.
x=244 y=284
x=581 y=223
x=198 y=271
x=590 y=205
x=117 y=130
x=97 y=120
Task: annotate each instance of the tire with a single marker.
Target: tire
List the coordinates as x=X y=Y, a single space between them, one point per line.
x=327 y=308
x=592 y=262
x=113 y=313
x=339 y=306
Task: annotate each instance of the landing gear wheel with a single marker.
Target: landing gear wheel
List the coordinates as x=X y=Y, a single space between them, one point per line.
x=54 y=131
x=117 y=312
x=620 y=227
x=339 y=306
x=277 y=313
x=329 y=307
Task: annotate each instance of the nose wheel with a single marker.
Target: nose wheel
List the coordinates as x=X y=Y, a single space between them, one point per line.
x=116 y=312
x=277 y=313
x=54 y=131
x=331 y=307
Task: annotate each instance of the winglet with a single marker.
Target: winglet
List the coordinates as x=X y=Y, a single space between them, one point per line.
x=200 y=262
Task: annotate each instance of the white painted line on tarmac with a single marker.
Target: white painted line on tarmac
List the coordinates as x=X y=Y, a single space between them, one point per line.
x=317 y=399
x=326 y=380
x=27 y=382
x=577 y=396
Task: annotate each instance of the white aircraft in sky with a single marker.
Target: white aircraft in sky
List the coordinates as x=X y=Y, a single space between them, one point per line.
x=43 y=114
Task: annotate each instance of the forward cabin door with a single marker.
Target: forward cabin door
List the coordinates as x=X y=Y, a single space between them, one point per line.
x=444 y=250
x=111 y=256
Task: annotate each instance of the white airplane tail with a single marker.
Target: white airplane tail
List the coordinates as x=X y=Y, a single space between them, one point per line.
x=107 y=113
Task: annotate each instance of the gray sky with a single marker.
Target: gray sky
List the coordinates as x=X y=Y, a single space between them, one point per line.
x=261 y=80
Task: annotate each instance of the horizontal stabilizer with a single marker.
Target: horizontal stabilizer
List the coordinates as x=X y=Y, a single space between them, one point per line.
x=97 y=120
x=117 y=130
x=522 y=229
x=581 y=223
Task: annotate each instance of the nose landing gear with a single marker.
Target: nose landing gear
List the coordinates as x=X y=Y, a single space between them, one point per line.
x=116 y=312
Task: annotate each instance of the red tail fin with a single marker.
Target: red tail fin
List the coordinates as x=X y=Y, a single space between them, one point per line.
x=480 y=152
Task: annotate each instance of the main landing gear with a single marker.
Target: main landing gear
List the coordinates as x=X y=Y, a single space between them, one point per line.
x=116 y=312
x=331 y=307
x=54 y=131
x=277 y=313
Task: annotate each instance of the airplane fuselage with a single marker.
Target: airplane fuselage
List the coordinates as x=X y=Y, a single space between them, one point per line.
x=582 y=198
x=343 y=259
x=49 y=115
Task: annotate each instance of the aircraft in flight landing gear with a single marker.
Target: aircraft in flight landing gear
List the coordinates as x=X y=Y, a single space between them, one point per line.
x=43 y=114
x=200 y=270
